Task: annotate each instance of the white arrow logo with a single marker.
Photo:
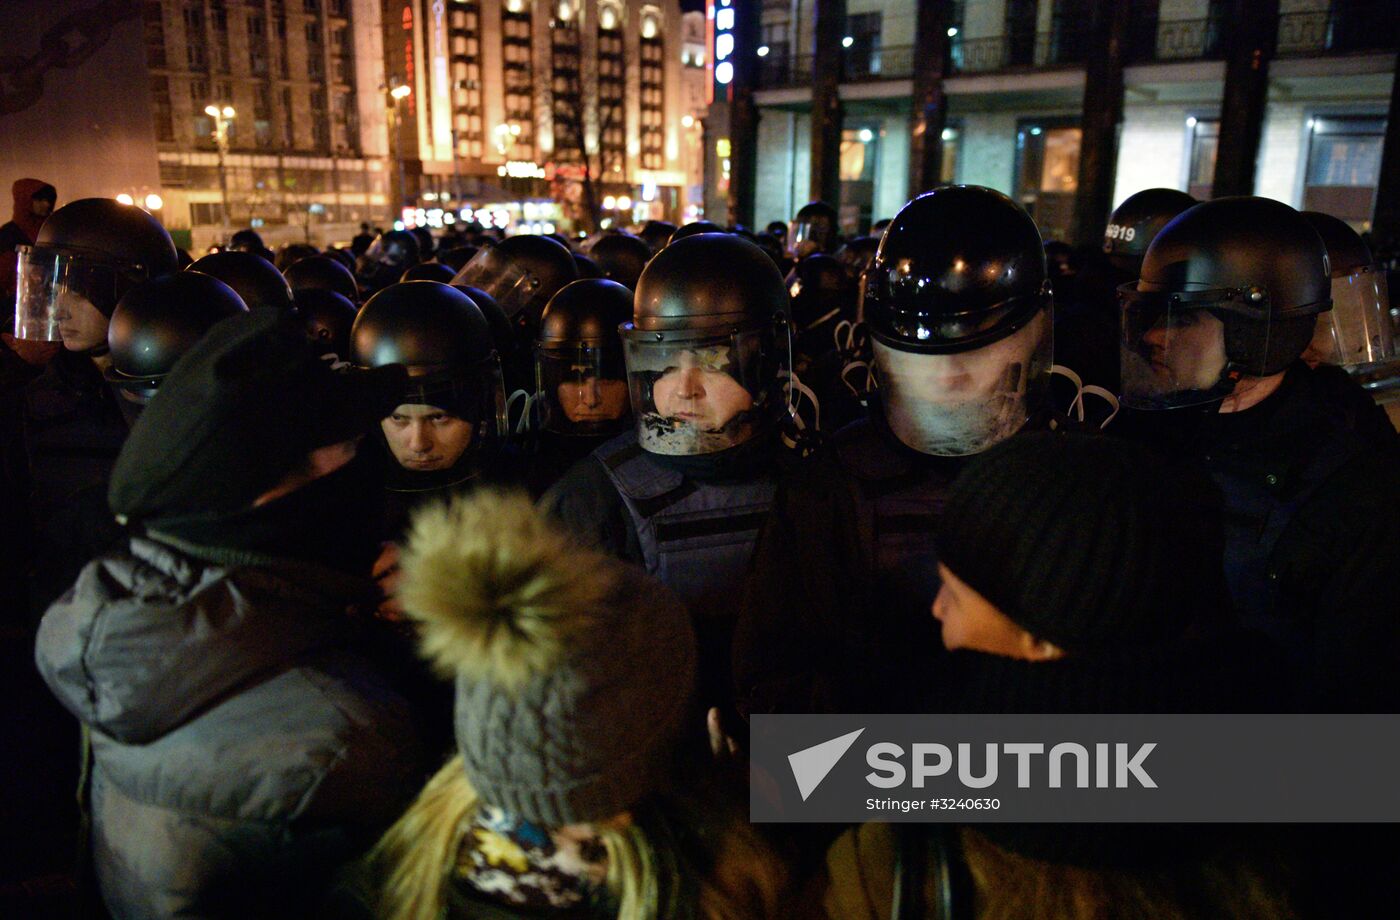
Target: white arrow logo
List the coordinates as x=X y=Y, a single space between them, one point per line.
x=811 y=765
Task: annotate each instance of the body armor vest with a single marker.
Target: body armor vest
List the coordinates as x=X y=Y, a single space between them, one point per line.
x=696 y=537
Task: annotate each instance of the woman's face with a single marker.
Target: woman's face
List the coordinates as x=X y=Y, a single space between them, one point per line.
x=970 y=621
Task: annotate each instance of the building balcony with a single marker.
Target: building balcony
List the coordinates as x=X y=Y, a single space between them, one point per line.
x=879 y=64
x=1178 y=39
x=1017 y=51
x=1343 y=27
x=781 y=71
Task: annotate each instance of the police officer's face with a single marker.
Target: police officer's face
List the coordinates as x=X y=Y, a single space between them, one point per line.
x=970 y=621
x=1187 y=352
x=81 y=325
x=425 y=438
x=593 y=399
x=699 y=396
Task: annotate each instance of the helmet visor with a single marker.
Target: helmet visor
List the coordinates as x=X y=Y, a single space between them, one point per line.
x=808 y=237
x=1173 y=347
x=475 y=394
x=959 y=403
x=1358 y=330
x=583 y=390
x=509 y=283
x=52 y=281
x=700 y=394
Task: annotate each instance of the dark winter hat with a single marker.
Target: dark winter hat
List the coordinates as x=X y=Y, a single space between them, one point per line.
x=238 y=412
x=1085 y=540
x=574 y=672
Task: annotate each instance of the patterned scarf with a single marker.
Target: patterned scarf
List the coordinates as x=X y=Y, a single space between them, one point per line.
x=522 y=864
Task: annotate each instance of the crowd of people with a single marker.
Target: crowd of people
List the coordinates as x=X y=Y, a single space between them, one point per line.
x=439 y=575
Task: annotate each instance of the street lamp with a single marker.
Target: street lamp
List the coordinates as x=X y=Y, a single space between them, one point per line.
x=222 y=115
x=397 y=94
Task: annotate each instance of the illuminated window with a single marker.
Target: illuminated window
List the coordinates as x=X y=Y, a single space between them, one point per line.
x=1344 y=164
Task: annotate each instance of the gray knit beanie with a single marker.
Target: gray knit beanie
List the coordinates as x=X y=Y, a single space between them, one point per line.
x=574 y=672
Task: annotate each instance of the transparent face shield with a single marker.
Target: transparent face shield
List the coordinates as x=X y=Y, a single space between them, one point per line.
x=583 y=390
x=960 y=403
x=52 y=282
x=1356 y=333
x=509 y=283
x=1173 y=351
x=477 y=396
x=808 y=237
x=700 y=395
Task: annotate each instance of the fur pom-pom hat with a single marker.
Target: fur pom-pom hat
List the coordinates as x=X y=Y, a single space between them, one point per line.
x=574 y=673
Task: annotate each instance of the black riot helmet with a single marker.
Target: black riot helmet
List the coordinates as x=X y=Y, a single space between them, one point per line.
x=430 y=271
x=821 y=291
x=813 y=229
x=1136 y=222
x=255 y=279
x=707 y=347
x=959 y=267
x=323 y=273
x=587 y=268
x=1357 y=331
x=441 y=336
x=457 y=256
x=292 y=253
x=94 y=248
x=580 y=376
x=390 y=255
x=656 y=234
x=958 y=306
x=521 y=273
x=857 y=254
x=156 y=322
x=426 y=244
x=326 y=317
x=1230 y=288
x=622 y=257
x=694 y=228
x=249 y=241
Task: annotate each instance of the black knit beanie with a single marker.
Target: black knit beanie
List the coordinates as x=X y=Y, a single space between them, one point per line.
x=238 y=412
x=1085 y=540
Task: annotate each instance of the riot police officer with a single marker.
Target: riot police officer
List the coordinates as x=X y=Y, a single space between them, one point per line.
x=958 y=306
x=814 y=229
x=823 y=299
x=685 y=491
x=448 y=432
x=581 y=398
x=622 y=257
x=1086 y=305
x=390 y=255
x=1229 y=298
x=326 y=317
x=325 y=273
x=154 y=324
x=256 y=280
x=520 y=274
x=87 y=256
x=1356 y=333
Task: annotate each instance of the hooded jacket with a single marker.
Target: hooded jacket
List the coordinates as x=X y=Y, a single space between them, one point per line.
x=22 y=230
x=23 y=216
x=242 y=746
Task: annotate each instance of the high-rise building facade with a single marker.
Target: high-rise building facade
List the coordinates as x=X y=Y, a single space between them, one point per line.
x=560 y=111
x=1292 y=94
x=290 y=89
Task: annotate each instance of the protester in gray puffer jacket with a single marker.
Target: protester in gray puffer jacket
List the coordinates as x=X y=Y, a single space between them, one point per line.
x=243 y=746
